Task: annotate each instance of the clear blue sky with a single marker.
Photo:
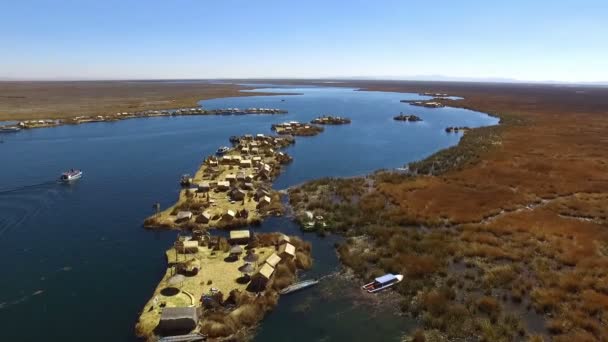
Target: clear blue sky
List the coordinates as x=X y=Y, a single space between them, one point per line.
x=108 y=39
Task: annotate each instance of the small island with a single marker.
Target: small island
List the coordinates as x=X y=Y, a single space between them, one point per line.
x=434 y=94
x=296 y=128
x=230 y=190
x=330 y=120
x=408 y=118
x=219 y=288
x=427 y=104
x=454 y=129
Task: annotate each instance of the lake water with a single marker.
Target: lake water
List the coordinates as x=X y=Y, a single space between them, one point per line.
x=77 y=263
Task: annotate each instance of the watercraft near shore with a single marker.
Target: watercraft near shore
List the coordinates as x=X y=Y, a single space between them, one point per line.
x=222 y=150
x=9 y=129
x=382 y=283
x=299 y=286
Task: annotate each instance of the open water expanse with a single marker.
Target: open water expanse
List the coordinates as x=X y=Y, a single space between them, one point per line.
x=77 y=264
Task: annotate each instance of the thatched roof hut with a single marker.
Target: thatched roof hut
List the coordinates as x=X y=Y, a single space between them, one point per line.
x=273 y=260
x=287 y=250
x=266 y=271
x=251 y=257
x=247 y=268
x=183 y=216
x=236 y=249
x=240 y=236
x=180 y=320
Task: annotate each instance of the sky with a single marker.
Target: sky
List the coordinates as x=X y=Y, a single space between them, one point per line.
x=542 y=40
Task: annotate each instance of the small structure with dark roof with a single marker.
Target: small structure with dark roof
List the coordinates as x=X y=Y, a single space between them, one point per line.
x=273 y=260
x=237 y=194
x=179 y=320
x=287 y=250
x=183 y=216
x=240 y=236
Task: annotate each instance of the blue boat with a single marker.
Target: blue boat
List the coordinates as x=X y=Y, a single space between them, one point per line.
x=382 y=283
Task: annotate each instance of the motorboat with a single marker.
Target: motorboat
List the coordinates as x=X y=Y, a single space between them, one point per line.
x=9 y=129
x=382 y=283
x=222 y=150
x=71 y=175
x=299 y=286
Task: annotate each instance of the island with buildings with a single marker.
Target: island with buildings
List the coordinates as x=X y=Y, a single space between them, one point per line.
x=219 y=288
x=406 y=117
x=81 y=119
x=296 y=128
x=230 y=190
x=330 y=120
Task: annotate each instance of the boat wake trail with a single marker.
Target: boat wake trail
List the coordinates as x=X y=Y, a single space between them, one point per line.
x=27 y=187
x=16 y=206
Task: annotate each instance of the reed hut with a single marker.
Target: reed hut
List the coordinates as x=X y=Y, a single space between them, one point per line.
x=287 y=251
x=273 y=260
x=241 y=237
x=179 y=320
x=223 y=185
x=237 y=194
x=183 y=216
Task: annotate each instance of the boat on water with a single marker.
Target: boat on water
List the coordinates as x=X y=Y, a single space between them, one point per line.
x=9 y=129
x=222 y=150
x=185 y=180
x=382 y=283
x=71 y=175
x=299 y=286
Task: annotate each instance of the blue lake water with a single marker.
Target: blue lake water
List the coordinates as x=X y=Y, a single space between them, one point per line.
x=78 y=265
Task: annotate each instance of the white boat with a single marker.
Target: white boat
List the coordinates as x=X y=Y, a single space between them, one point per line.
x=299 y=286
x=220 y=151
x=71 y=175
x=9 y=129
x=382 y=283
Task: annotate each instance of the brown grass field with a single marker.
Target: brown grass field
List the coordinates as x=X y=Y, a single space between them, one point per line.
x=510 y=224
x=54 y=100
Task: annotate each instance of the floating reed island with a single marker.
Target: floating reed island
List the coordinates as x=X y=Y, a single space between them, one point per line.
x=454 y=129
x=428 y=104
x=434 y=94
x=406 y=117
x=296 y=128
x=230 y=190
x=330 y=120
x=218 y=288
x=27 y=124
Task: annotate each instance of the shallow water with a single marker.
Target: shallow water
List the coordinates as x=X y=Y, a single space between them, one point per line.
x=77 y=263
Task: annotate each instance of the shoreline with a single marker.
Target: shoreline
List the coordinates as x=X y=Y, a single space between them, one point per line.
x=474 y=204
x=194 y=111
x=31 y=100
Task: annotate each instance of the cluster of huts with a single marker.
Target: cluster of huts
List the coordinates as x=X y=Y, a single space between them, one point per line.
x=408 y=118
x=434 y=94
x=285 y=251
x=147 y=113
x=455 y=129
x=296 y=128
x=330 y=120
x=428 y=104
x=38 y=123
x=230 y=186
x=184 y=319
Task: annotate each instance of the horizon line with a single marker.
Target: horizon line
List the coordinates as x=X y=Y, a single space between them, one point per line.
x=438 y=78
